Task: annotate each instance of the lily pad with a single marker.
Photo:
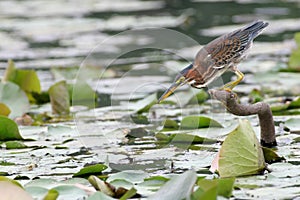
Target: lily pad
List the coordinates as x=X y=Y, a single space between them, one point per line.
x=9 y=129
x=293 y=125
x=194 y=122
x=82 y=94
x=59 y=98
x=100 y=196
x=178 y=187
x=51 y=195
x=90 y=170
x=14 y=98
x=145 y=104
x=26 y=79
x=241 y=153
x=4 y=110
x=15 y=145
x=224 y=185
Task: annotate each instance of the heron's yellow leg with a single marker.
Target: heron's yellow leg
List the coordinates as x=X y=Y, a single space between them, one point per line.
x=229 y=86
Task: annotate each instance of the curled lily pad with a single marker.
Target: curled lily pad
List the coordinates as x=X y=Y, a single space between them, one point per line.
x=26 y=79
x=14 y=98
x=178 y=187
x=59 y=98
x=241 y=153
x=9 y=129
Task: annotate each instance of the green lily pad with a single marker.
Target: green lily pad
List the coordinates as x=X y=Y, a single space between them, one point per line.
x=81 y=93
x=15 y=145
x=133 y=176
x=271 y=156
x=178 y=187
x=293 y=125
x=194 y=122
x=4 y=110
x=183 y=138
x=145 y=104
x=14 y=98
x=26 y=79
x=241 y=153
x=130 y=193
x=100 y=196
x=9 y=129
x=90 y=170
x=59 y=98
x=51 y=195
x=70 y=192
x=224 y=185
x=170 y=125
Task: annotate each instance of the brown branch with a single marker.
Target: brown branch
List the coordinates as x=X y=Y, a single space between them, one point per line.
x=267 y=128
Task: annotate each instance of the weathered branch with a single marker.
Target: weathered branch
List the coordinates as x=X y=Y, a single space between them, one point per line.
x=267 y=128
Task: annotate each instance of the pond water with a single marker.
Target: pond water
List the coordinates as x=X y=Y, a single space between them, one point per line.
x=128 y=50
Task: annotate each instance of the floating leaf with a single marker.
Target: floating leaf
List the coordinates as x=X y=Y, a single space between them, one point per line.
x=26 y=79
x=15 y=145
x=170 y=125
x=224 y=185
x=13 y=97
x=294 y=60
x=91 y=169
x=183 y=138
x=241 y=153
x=8 y=129
x=51 y=195
x=82 y=94
x=133 y=176
x=178 y=187
x=4 y=110
x=70 y=192
x=130 y=193
x=59 y=98
x=100 y=196
x=200 y=97
x=293 y=125
x=271 y=156
x=143 y=105
x=194 y=122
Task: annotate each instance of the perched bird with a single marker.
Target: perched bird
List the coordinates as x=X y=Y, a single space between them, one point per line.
x=221 y=54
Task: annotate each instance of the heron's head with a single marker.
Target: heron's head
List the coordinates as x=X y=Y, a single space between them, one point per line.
x=181 y=79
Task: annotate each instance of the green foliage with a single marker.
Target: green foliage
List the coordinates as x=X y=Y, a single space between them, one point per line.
x=15 y=145
x=194 y=122
x=27 y=80
x=8 y=129
x=14 y=98
x=224 y=186
x=59 y=98
x=294 y=60
x=51 y=195
x=4 y=110
x=178 y=187
x=241 y=153
x=91 y=169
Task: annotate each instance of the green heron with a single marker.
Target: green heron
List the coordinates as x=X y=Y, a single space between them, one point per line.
x=221 y=54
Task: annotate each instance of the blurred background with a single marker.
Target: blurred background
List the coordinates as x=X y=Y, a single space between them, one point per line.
x=47 y=34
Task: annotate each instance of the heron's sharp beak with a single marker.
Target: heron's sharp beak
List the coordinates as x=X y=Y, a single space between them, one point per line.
x=172 y=88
